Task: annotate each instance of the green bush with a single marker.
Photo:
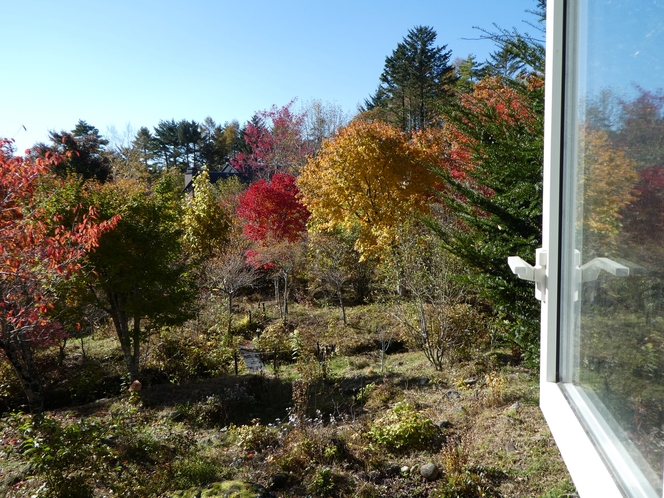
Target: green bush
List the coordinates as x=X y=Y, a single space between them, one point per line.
x=323 y=483
x=67 y=456
x=403 y=429
x=466 y=484
x=182 y=355
x=256 y=437
x=278 y=338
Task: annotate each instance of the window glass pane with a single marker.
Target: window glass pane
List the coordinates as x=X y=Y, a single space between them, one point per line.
x=612 y=287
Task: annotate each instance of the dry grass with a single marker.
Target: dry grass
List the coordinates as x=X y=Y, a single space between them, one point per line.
x=491 y=428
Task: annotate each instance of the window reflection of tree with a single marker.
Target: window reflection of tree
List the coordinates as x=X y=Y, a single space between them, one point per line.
x=621 y=195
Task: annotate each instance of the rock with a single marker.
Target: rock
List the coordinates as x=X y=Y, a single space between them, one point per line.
x=374 y=476
x=278 y=481
x=429 y=471
x=513 y=376
x=452 y=394
x=362 y=476
x=392 y=470
x=470 y=381
x=225 y=489
x=514 y=407
x=424 y=381
x=510 y=448
x=405 y=469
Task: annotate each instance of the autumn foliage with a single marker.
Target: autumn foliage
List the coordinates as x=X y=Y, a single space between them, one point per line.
x=372 y=176
x=272 y=210
x=35 y=252
x=275 y=144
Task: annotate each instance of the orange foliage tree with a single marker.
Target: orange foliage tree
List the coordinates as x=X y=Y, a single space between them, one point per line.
x=370 y=177
x=35 y=253
x=606 y=187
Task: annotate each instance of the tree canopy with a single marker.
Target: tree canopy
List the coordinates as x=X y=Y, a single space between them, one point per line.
x=371 y=176
x=416 y=79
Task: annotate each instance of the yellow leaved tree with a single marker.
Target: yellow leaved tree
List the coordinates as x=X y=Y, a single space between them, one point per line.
x=606 y=187
x=369 y=177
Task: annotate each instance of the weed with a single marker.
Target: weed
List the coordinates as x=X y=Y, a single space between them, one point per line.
x=197 y=470
x=495 y=384
x=465 y=484
x=322 y=484
x=68 y=456
x=365 y=392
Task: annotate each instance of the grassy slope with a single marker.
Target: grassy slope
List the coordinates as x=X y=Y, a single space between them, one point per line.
x=192 y=431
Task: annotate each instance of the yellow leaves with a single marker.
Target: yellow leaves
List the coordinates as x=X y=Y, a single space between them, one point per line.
x=606 y=186
x=369 y=175
x=204 y=221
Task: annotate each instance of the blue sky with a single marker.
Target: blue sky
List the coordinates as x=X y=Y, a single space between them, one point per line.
x=137 y=62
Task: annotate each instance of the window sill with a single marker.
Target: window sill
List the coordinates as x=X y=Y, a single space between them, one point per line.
x=586 y=466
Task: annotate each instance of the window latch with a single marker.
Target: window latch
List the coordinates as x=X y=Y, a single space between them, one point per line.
x=535 y=273
x=590 y=271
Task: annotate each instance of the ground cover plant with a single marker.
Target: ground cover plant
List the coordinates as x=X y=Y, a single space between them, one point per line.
x=339 y=425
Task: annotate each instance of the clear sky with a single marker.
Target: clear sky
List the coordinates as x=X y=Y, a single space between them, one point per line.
x=136 y=62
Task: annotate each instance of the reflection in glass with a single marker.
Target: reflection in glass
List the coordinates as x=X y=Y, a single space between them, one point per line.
x=613 y=223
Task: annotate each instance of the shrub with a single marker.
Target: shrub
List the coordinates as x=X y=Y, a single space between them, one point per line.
x=466 y=484
x=323 y=482
x=278 y=343
x=182 y=355
x=257 y=437
x=470 y=330
x=403 y=429
x=68 y=456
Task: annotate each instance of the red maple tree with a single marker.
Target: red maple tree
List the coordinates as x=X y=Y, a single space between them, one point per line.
x=276 y=220
x=272 y=210
x=35 y=253
x=275 y=142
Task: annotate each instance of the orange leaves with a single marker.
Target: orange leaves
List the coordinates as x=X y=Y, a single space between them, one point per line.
x=34 y=253
x=607 y=186
x=369 y=176
x=508 y=104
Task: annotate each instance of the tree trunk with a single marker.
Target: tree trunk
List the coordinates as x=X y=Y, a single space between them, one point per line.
x=285 y=294
x=343 y=308
x=17 y=349
x=121 y=323
x=277 y=296
x=230 y=312
x=137 y=349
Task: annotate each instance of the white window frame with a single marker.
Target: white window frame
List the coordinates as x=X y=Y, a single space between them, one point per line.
x=563 y=406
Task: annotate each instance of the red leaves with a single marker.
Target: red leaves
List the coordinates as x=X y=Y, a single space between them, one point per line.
x=33 y=253
x=276 y=144
x=272 y=210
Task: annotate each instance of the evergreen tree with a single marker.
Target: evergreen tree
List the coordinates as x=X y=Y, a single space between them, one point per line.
x=83 y=150
x=143 y=144
x=468 y=72
x=178 y=144
x=493 y=195
x=165 y=144
x=415 y=80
